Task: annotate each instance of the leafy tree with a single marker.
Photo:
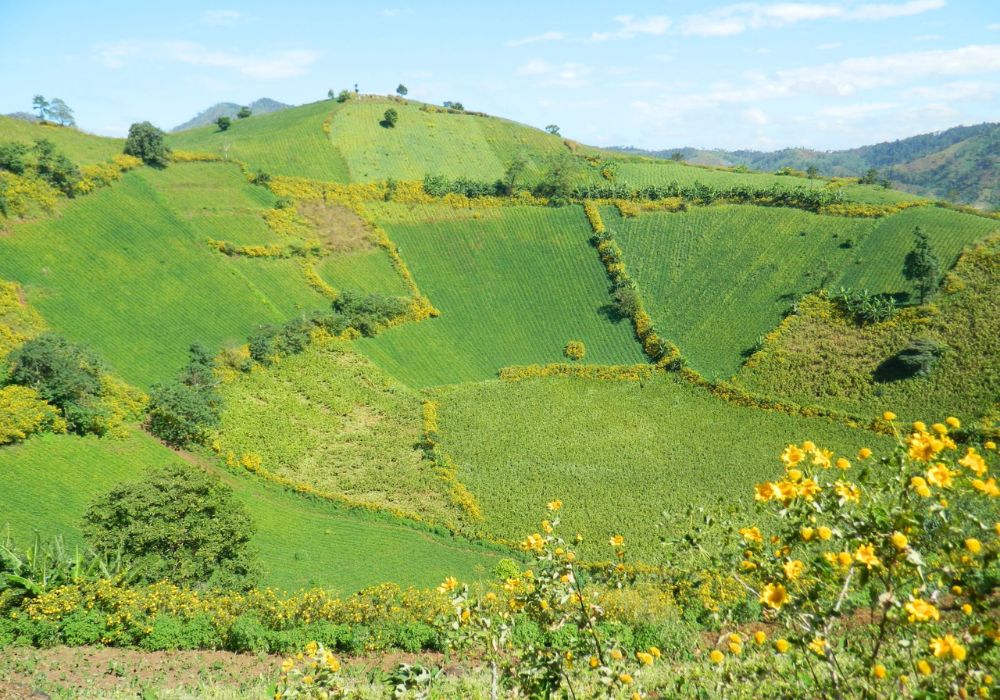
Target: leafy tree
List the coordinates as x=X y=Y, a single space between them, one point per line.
x=553 y=129
x=223 y=123
x=368 y=313
x=183 y=411
x=65 y=374
x=922 y=266
x=41 y=104
x=514 y=174
x=677 y=156
x=12 y=157
x=61 y=112
x=344 y=95
x=390 y=118
x=145 y=141
x=812 y=171
x=559 y=178
x=330 y=93
x=244 y=113
x=55 y=168
x=401 y=90
x=626 y=302
x=180 y=524
x=870 y=177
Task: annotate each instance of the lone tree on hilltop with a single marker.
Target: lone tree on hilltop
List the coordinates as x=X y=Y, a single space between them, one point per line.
x=61 y=112
x=401 y=90
x=244 y=113
x=390 y=118
x=41 y=104
x=146 y=141
x=922 y=265
x=223 y=123
x=553 y=129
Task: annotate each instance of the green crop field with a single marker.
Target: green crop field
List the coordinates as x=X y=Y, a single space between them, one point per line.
x=366 y=270
x=512 y=288
x=718 y=278
x=128 y=271
x=80 y=147
x=329 y=418
x=48 y=481
x=289 y=142
x=423 y=143
x=616 y=453
x=643 y=172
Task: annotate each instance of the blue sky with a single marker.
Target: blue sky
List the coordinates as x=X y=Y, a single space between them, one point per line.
x=816 y=73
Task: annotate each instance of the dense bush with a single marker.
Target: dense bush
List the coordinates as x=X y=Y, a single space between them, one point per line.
x=55 y=168
x=183 y=411
x=64 y=374
x=145 y=141
x=369 y=313
x=12 y=157
x=864 y=306
x=177 y=524
x=916 y=359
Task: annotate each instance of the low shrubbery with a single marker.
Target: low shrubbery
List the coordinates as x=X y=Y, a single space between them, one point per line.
x=183 y=411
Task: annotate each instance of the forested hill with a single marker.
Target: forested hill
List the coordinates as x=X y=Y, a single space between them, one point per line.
x=961 y=164
x=264 y=105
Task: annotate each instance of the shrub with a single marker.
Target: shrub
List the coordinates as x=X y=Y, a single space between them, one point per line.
x=55 y=168
x=575 y=350
x=145 y=141
x=178 y=524
x=12 y=157
x=23 y=412
x=64 y=374
x=181 y=415
x=390 y=118
x=223 y=123
x=864 y=306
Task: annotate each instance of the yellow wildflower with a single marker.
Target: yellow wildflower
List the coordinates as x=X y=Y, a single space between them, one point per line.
x=889 y=415
x=449 y=584
x=616 y=654
x=764 y=492
x=555 y=505
x=818 y=646
x=716 y=656
x=547 y=527
x=287 y=665
x=793 y=569
x=848 y=492
x=899 y=541
x=759 y=637
x=967 y=609
x=311 y=648
x=751 y=534
x=974 y=461
x=990 y=445
x=923 y=446
x=617 y=541
x=924 y=668
x=919 y=484
x=534 y=543
x=774 y=595
x=808 y=489
x=792 y=456
x=809 y=446
x=843 y=463
x=864 y=453
x=946 y=646
x=866 y=555
x=594 y=662
x=989 y=487
x=921 y=611
x=920 y=426
x=625 y=678
x=973 y=545
x=878 y=670
x=781 y=645
x=953 y=422
x=824 y=532
x=655 y=652
x=939 y=475
x=806 y=533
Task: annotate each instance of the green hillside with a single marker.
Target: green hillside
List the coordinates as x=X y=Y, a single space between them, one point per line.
x=716 y=279
x=81 y=147
x=128 y=269
x=48 y=482
x=513 y=287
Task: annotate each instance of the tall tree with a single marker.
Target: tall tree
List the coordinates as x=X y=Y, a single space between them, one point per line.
x=244 y=113
x=922 y=266
x=514 y=174
x=401 y=90
x=146 y=141
x=41 y=104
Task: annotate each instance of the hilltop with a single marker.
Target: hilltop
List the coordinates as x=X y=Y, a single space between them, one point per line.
x=959 y=164
x=263 y=105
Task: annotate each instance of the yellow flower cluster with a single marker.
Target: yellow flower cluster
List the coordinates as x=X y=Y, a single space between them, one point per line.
x=23 y=412
x=607 y=373
x=593 y=213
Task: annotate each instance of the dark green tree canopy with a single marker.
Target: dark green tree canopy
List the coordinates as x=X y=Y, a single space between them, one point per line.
x=244 y=113
x=55 y=168
x=12 y=157
x=41 y=104
x=178 y=524
x=401 y=90
x=552 y=129
x=183 y=411
x=922 y=265
x=146 y=141
x=390 y=118
x=223 y=123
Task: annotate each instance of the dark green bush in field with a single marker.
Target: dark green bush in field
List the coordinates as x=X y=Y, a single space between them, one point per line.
x=12 y=157
x=178 y=524
x=181 y=412
x=65 y=374
x=146 y=141
x=55 y=168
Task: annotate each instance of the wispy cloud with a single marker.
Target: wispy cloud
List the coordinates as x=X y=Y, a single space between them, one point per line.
x=855 y=111
x=547 y=36
x=629 y=26
x=262 y=65
x=755 y=115
x=736 y=19
x=959 y=90
x=535 y=66
x=563 y=75
x=222 y=18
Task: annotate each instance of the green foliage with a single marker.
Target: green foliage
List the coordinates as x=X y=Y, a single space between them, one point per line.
x=28 y=571
x=864 y=306
x=575 y=350
x=61 y=112
x=552 y=129
x=243 y=113
x=223 y=123
x=178 y=524
x=922 y=265
x=915 y=360
x=602 y=449
x=512 y=286
x=146 y=141
x=401 y=90
x=12 y=157
x=368 y=313
x=64 y=374
x=55 y=168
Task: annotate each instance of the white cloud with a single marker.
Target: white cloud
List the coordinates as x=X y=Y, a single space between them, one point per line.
x=547 y=36
x=222 y=18
x=755 y=115
x=738 y=18
x=629 y=26
x=266 y=66
x=960 y=90
x=854 y=111
x=927 y=37
x=993 y=27
x=535 y=66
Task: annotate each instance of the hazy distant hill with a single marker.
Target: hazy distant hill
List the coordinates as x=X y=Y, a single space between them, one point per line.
x=960 y=164
x=229 y=109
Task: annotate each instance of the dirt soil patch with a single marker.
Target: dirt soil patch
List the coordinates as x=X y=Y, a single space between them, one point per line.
x=339 y=228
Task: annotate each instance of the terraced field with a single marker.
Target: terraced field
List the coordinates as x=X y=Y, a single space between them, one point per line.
x=289 y=142
x=717 y=278
x=618 y=454
x=128 y=271
x=302 y=541
x=512 y=287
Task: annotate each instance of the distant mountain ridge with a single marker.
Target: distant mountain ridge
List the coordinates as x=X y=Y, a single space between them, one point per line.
x=264 y=105
x=961 y=164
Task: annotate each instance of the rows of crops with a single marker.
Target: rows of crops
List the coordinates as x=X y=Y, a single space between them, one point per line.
x=48 y=481
x=512 y=289
x=330 y=419
x=289 y=142
x=127 y=269
x=368 y=270
x=616 y=453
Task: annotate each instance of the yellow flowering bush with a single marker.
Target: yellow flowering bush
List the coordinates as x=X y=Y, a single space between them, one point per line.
x=314 y=673
x=879 y=576
x=23 y=412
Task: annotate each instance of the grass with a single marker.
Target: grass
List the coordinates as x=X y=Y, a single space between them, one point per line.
x=367 y=270
x=289 y=142
x=128 y=271
x=48 y=481
x=716 y=279
x=329 y=418
x=80 y=147
x=818 y=356
x=513 y=288
x=617 y=453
